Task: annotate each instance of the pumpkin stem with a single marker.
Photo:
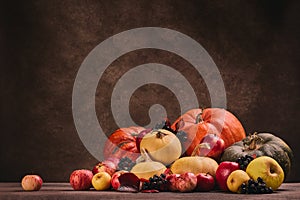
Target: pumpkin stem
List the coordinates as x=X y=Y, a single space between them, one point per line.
x=199 y=118
x=251 y=141
x=160 y=134
x=204 y=145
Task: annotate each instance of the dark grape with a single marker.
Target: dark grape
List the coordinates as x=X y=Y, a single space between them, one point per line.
x=244 y=161
x=255 y=187
x=155 y=183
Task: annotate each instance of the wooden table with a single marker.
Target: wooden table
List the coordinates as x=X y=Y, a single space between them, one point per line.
x=64 y=191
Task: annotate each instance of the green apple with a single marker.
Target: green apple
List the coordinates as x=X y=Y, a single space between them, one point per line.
x=101 y=181
x=268 y=169
x=235 y=180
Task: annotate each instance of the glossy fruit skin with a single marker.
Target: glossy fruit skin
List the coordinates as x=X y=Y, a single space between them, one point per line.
x=268 y=169
x=270 y=145
x=81 y=179
x=199 y=122
x=236 y=179
x=122 y=143
x=205 y=182
x=101 y=181
x=216 y=144
x=222 y=173
x=31 y=182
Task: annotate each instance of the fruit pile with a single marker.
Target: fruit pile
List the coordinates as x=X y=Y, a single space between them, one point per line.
x=203 y=150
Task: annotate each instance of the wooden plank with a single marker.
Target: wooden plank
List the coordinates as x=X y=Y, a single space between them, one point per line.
x=64 y=191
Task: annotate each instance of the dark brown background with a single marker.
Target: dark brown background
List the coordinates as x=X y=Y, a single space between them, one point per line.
x=255 y=45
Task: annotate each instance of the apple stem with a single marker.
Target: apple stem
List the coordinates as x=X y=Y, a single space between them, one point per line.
x=204 y=145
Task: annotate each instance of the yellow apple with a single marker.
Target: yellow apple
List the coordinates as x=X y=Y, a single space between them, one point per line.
x=235 y=180
x=101 y=181
x=268 y=169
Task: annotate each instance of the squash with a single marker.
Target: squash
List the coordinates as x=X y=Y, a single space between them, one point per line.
x=122 y=143
x=195 y=164
x=197 y=123
x=261 y=144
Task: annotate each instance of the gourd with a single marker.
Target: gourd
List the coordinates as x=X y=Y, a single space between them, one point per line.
x=261 y=144
x=197 y=123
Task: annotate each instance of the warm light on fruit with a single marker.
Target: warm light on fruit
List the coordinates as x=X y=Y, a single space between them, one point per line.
x=31 y=183
x=236 y=179
x=101 y=181
x=162 y=146
x=148 y=169
x=81 y=179
x=268 y=169
x=195 y=165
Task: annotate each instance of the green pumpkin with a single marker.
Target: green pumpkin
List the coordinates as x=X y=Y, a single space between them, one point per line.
x=261 y=144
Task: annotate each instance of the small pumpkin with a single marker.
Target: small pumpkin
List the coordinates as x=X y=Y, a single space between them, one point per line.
x=122 y=143
x=197 y=123
x=162 y=146
x=261 y=144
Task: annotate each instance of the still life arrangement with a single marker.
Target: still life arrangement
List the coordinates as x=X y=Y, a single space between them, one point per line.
x=203 y=150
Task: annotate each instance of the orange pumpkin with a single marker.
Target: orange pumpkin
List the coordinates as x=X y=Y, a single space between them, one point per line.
x=196 y=123
x=122 y=143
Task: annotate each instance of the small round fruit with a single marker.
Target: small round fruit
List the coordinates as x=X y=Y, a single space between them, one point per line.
x=31 y=182
x=236 y=179
x=81 y=179
x=101 y=181
x=268 y=169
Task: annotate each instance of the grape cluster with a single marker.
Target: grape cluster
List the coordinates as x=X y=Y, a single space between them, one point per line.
x=255 y=187
x=156 y=183
x=244 y=161
x=126 y=164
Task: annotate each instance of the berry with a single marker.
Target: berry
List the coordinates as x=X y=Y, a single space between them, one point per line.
x=156 y=183
x=244 y=161
x=255 y=187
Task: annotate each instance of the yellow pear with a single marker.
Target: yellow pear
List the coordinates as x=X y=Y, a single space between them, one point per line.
x=235 y=180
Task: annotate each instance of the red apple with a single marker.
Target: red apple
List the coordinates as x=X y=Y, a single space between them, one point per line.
x=81 y=179
x=223 y=171
x=213 y=148
x=205 y=182
x=105 y=166
x=115 y=183
x=32 y=182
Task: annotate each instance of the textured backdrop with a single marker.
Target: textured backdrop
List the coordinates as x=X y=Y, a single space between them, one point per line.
x=255 y=45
